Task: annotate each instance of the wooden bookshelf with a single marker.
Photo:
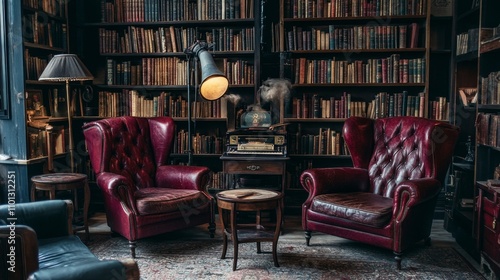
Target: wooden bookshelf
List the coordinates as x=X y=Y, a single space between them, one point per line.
x=475 y=69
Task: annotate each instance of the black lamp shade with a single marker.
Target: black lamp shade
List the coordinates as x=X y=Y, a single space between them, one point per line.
x=214 y=83
x=65 y=67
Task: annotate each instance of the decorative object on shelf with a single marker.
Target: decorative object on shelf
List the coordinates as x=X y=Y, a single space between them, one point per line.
x=275 y=92
x=470 y=151
x=442 y=8
x=34 y=103
x=468 y=96
x=496 y=174
x=66 y=68
x=213 y=85
x=88 y=96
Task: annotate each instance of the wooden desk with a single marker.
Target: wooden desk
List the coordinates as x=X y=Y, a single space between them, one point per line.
x=256 y=165
x=254 y=200
x=488 y=227
x=54 y=182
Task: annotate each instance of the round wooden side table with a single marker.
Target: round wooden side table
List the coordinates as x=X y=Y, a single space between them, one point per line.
x=53 y=182
x=251 y=200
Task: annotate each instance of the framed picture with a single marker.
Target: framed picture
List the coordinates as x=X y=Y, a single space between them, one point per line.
x=34 y=103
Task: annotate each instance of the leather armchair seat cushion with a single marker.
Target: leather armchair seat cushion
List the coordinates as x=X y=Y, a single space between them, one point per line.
x=360 y=207
x=63 y=251
x=160 y=201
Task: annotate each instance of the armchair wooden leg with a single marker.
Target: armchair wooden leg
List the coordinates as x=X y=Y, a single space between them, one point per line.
x=211 y=229
x=427 y=241
x=132 y=245
x=398 y=258
x=308 y=236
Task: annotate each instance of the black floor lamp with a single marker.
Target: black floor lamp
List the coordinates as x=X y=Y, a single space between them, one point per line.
x=66 y=68
x=213 y=82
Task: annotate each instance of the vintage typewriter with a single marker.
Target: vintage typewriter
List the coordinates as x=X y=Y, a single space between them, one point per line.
x=256 y=142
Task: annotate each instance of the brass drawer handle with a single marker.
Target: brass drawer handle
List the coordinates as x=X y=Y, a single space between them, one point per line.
x=253 y=167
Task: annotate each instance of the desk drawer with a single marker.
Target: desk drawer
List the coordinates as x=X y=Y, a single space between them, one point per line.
x=254 y=167
x=491 y=229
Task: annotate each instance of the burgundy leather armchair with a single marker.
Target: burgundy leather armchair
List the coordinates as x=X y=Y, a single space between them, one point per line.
x=388 y=198
x=143 y=194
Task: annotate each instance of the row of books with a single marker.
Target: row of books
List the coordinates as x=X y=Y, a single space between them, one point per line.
x=35 y=65
x=172 y=39
x=144 y=40
x=469 y=41
x=239 y=72
x=334 y=37
x=52 y=7
x=380 y=70
x=353 y=8
x=488 y=129
x=490 y=88
x=39 y=29
x=131 y=103
x=439 y=109
x=383 y=105
x=149 y=71
x=39 y=143
x=326 y=142
x=201 y=144
x=161 y=71
x=220 y=181
x=172 y=10
x=395 y=105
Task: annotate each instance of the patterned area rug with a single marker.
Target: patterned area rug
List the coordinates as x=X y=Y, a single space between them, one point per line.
x=192 y=254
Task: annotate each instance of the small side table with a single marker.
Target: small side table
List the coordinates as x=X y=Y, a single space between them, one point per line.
x=53 y=182
x=251 y=200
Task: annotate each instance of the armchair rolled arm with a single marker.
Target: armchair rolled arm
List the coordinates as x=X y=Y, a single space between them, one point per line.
x=413 y=192
x=335 y=179
x=106 y=269
x=182 y=177
x=36 y=214
x=118 y=187
x=22 y=252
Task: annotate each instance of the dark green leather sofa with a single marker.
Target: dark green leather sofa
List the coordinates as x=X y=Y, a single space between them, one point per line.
x=37 y=242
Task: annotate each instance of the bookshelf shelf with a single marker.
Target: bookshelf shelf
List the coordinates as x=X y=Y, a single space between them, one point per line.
x=470 y=56
x=190 y=23
x=490 y=46
x=359 y=51
x=319 y=20
x=42 y=47
x=318 y=156
x=473 y=21
x=306 y=120
x=176 y=54
x=360 y=85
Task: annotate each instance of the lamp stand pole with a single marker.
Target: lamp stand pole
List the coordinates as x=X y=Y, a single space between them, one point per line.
x=70 y=128
x=188 y=81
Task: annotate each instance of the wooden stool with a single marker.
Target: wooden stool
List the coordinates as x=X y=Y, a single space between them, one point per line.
x=53 y=182
x=253 y=200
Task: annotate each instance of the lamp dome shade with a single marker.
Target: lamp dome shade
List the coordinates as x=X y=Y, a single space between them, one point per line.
x=214 y=83
x=65 y=67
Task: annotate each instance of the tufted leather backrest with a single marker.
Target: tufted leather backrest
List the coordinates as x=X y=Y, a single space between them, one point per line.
x=399 y=148
x=130 y=146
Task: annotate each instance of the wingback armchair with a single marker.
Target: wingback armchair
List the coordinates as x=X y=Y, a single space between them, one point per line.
x=388 y=197
x=143 y=194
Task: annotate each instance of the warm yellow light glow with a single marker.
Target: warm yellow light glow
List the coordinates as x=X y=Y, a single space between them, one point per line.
x=214 y=87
